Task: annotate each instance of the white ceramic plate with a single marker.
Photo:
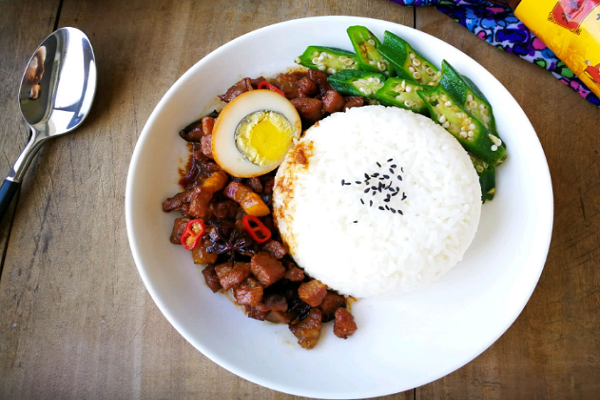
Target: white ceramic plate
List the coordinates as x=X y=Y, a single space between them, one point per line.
x=400 y=344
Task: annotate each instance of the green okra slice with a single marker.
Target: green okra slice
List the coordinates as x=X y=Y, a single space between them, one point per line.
x=471 y=134
x=327 y=59
x=407 y=62
x=487 y=178
x=357 y=83
x=468 y=95
x=399 y=92
x=366 y=47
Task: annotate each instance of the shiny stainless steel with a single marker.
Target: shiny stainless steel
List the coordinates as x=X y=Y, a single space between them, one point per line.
x=57 y=91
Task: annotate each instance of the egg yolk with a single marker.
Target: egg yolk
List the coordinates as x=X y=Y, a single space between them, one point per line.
x=264 y=137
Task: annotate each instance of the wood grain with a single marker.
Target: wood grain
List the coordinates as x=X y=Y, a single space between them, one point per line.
x=76 y=320
x=553 y=349
x=23 y=25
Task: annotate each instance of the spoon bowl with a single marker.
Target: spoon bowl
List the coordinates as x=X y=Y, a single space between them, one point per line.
x=55 y=96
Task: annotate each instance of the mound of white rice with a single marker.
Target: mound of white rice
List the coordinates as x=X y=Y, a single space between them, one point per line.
x=388 y=247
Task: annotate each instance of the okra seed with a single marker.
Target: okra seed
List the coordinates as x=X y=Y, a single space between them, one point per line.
x=446 y=124
x=376 y=80
x=412 y=55
x=371 y=42
x=486 y=119
x=411 y=69
x=448 y=103
x=472 y=127
x=322 y=68
x=409 y=89
x=343 y=58
x=442 y=119
x=331 y=70
x=469 y=98
x=372 y=62
x=482 y=106
x=416 y=75
x=315 y=61
x=297 y=60
x=479 y=168
x=463 y=135
x=316 y=54
x=416 y=62
x=381 y=66
x=431 y=83
x=429 y=70
x=470 y=134
x=494 y=148
x=473 y=104
x=463 y=129
x=408 y=103
x=485 y=111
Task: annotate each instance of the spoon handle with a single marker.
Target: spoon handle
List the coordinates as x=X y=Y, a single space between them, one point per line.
x=7 y=192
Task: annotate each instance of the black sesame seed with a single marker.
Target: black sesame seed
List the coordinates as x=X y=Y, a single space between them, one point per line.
x=357 y=182
x=402 y=169
x=374 y=193
x=399 y=177
x=390 y=160
x=400 y=212
x=392 y=210
x=395 y=193
x=343 y=182
x=370 y=203
x=397 y=189
x=387 y=200
x=381 y=208
x=403 y=195
x=361 y=200
x=386 y=176
x=392 y=171
x=348 y=183
x=376 y=174
x=374 y=187
x=393 y=165
x=366 y=175
x=379 y=165
x=367 y=190
x=387 y=208
x=355 y=222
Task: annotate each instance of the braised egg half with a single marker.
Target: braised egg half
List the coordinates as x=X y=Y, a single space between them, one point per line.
x=254 y=132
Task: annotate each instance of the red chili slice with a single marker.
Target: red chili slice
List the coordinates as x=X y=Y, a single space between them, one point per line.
x=267 y=85
x=265 y=233
x=192 y=233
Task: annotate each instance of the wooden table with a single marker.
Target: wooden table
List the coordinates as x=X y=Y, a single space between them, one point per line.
x=75 y=319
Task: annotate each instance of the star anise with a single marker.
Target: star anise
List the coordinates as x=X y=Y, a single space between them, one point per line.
x=229 y=240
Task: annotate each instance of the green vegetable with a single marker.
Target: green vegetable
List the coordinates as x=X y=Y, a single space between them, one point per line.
x=366 y=47
x=327 y=59
x=468 y=95
x=357 y=83
x=407 y=62
x=402 y=93
x=487 y=178
x=471 y=134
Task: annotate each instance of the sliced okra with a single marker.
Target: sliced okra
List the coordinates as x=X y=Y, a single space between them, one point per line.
x=468 y=95
x=471 y=134
x=366 y=47
x=357 y=83
x=402 y=93
x=407 y=62
x=487 y=178
x=327 y=59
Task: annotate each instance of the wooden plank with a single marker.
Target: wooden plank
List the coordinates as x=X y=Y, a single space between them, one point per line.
x=553 y=349
x=77 y=321
x=23 y=25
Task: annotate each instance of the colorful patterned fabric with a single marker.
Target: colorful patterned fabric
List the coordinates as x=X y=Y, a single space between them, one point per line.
x=498 y=26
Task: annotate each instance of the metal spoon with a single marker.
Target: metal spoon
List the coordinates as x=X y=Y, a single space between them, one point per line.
x=56 y=94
